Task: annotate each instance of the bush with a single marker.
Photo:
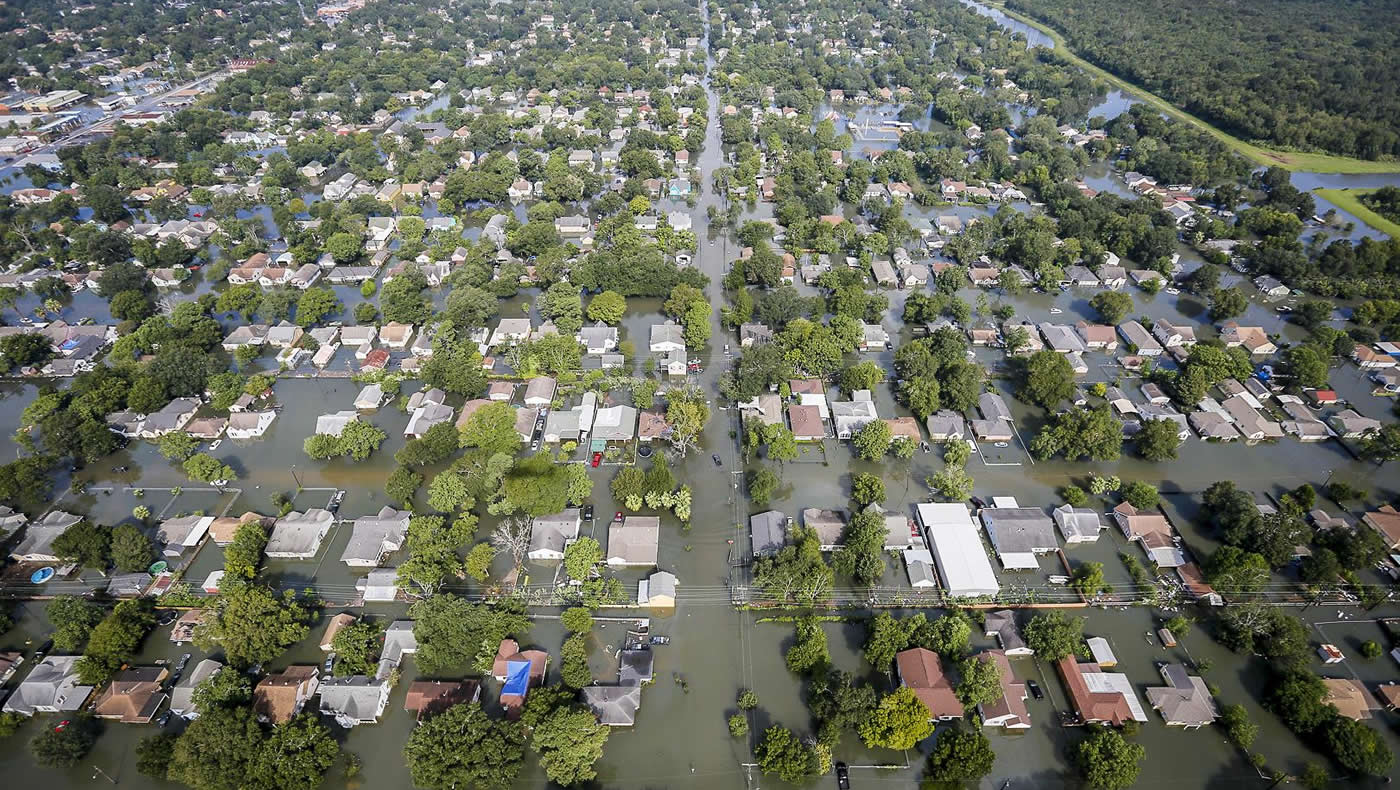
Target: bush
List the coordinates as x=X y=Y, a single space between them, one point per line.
x=1371 y=650
x=748 y=700
x=1140 y=495
x=738 y=725
x=1074 y=496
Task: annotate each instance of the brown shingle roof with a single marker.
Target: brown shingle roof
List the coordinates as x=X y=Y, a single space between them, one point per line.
x=920 y=670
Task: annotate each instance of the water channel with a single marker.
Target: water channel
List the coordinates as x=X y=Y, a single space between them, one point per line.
x=681 y=739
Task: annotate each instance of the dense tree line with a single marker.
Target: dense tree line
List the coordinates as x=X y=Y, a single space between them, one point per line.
x=1293 y=73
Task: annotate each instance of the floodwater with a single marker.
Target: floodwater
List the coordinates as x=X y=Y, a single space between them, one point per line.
x=681 y=739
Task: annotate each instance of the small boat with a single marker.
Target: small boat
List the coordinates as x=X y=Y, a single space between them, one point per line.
x=661 y=640
x=159 y=566
x=1055 y=311
x=215 y=444
x=42 y=575
x=1173 y=291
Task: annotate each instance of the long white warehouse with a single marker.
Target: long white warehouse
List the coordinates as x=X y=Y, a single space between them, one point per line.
x=957 y=548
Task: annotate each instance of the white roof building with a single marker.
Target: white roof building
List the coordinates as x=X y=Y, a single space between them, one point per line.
x=957 y=549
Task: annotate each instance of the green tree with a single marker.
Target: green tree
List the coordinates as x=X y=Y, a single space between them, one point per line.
x=1108 y=761
x=608 y=307
x=948 y=636
x=899 y=722
x=1234 y=571
x=463 y=747
x=1112 y=306
x=581 y=557
x=243 y=556
x=872 y=441
x=85 y=543
x=577 y=620
x=981 y=681
x=1054 y=635
x=315 y=304
x=1080 y=433
x=478 y=561
x=1227 y=303
x=72 y=619
x=153 y=755
x=116 y=640
x=573 y=662
x=356 y=647
x=570 y=743
x=491 y=429
x=862 y=376
x=959 y=756
x=1238 y=728
x=783 y=753
x=1047 y=379
x=808 y=654
x=218 y=749
x=885 y=636
x=797 y=572
x=253 y=625
x=63 y=748
x=867 y=489
x=1141 y=495
x=207 y=469
x=953 y=483
x=1088 y=579
x=1158 y=440
x=296 y=755
x=344 y=247
x=1357 y=747
x=131 y=549
x=762 y=482
x=454 y=634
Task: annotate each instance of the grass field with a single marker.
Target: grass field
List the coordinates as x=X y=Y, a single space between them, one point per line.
x=1349 y=200
x=1316 y=163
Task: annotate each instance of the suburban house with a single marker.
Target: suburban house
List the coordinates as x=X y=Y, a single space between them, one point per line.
x=766 y=408
x=431 y=697
x=549 y=535
x=249 y=424
x=281 y=696
x=1151 y=531
x=598 y=338
x=666 y=338
x=768 y=532
x=658 y=590
x=1185 y=701
x=176 y=536
x=182 y=696
x=520 y=670
x=1100 y=697
x=946 y=425
x=1019 y=535
x=1001 y=624
x=1253 y=338
x=36 y=544
x=830 y=525
x=1078 y=525
x=957 y=550
x=1350 y=698
x=297 y=535
x=614 y=706
x=134 y=695
x=633 y=541
x=427 y=408
x=1350 y=425
x=919 y=669
x=355 y=699
x=848 y=417
x=1008 y=711
x=372 y=537
x=539 y=392
x=1138 y=338
x=1097 y=337
x=806 y=423
x=1172 y=335
x=1384 y=520
x=52 y=686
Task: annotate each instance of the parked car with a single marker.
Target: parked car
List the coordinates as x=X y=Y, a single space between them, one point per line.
x=717 y=460
x=843 y=776
x=587 y=512
x=1034 y=689
x=597 y=459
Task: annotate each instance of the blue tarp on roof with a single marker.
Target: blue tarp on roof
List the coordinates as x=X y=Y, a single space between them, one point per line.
x=517 y=678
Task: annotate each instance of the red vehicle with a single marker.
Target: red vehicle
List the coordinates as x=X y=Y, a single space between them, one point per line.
x=597 y=459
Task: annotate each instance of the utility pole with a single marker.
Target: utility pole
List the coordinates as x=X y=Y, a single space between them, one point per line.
x=104 y=774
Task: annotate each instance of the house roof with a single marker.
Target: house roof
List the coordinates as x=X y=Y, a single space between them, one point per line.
x=550 y=533
x=920 y=670
x=133 y=696
x=1002 y=624
x=615 y=423
x=52 y=684
x=634 y=540
x=635 y=667
x=298 y=533
x=430 y=697
x=1099 y=696
x=1009 y=709
x=828 y=523
x=1350 y=698
x=1385 y=520
x=334 y=626
x=1185 y=700
x=1078 y=522
x=354 y=698
x=957 y=548
x=276 y=696
x=1019 y=530
x=615 y=706
x=182 y=696
x=372 y=536
x=768 y=532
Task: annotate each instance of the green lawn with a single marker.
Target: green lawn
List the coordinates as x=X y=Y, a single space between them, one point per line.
x=1318 y=163
x=1349 y=200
